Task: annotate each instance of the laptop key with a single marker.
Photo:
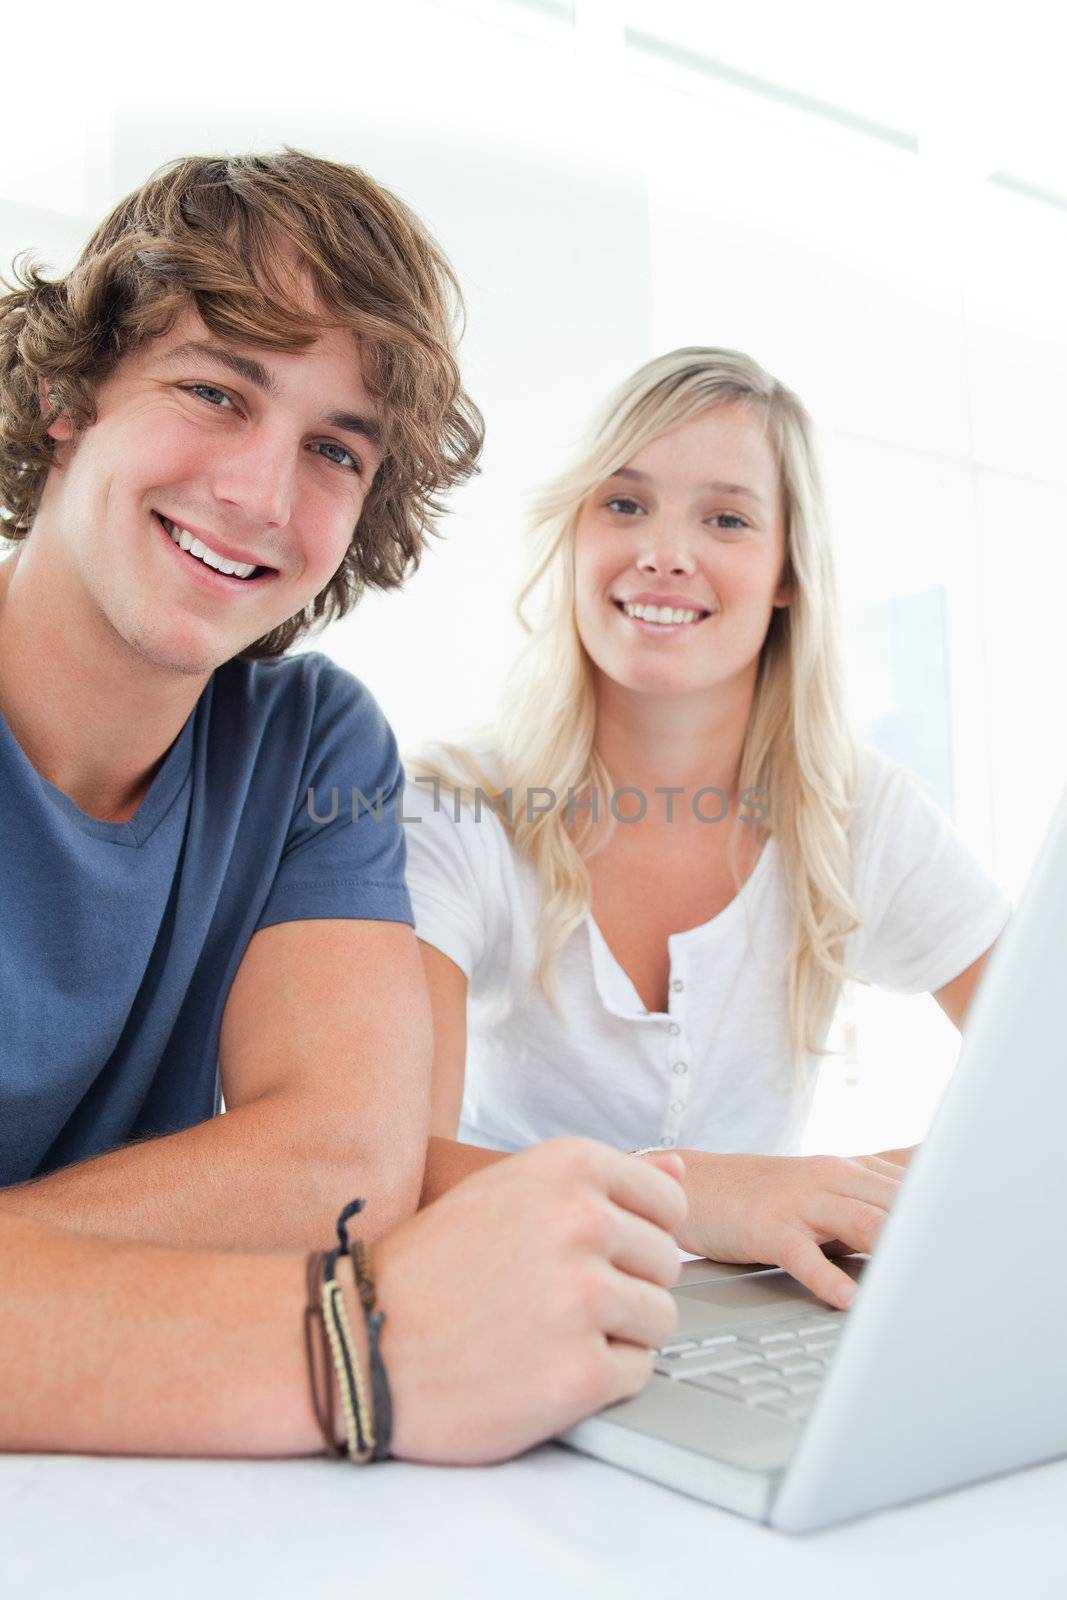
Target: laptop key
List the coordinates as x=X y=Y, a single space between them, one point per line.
x=812 y=1330
x=788 y=1368
x=678 y=1348
x=794 y=1412
x=729 y=1361
x=698 y=1364
x=759 y=1373
x=764 y=1397
x=719 y=1383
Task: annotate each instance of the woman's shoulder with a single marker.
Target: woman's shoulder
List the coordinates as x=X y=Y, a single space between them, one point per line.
x=456 y=789
x=883 y=786
x=895 y=811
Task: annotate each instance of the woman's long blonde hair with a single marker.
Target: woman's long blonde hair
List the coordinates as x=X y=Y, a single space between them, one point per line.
x=798 y=747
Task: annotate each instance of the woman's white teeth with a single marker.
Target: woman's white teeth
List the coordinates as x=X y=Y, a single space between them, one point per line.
x=195 y=547
x=661 y=614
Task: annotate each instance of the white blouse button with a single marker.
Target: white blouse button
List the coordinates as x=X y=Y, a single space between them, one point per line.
x=677 y=1105
x=666 y=1140
x=677 y=985
x=672 y=1027
x=681 y=1068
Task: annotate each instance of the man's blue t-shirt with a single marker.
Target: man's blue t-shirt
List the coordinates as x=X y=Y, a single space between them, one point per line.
x=120 y=940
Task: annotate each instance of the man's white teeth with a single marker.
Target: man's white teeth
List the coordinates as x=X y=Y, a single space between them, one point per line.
x=661 y=614
x=195 y=547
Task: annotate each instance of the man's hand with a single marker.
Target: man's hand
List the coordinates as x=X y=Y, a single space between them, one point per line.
x=786 y=1211
x=526 y=1297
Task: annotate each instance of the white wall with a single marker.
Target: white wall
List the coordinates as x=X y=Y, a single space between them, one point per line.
x=601 y=206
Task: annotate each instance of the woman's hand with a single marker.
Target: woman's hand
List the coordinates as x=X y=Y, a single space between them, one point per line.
x=787 y=1211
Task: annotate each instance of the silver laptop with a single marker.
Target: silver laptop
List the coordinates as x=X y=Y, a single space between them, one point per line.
x=950 y=1366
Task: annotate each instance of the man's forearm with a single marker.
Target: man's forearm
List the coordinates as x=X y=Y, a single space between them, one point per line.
x=448 y=1162
x=257 y=1177
x=130 y=1349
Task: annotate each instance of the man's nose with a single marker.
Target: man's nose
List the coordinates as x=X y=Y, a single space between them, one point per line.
x=257 y=477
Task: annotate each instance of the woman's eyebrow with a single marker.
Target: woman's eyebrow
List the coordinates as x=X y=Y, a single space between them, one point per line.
x=714 y=485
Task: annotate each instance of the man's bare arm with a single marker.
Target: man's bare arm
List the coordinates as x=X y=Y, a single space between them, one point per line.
x=325 y=1059
x=129 y=1348
x=132 y=1349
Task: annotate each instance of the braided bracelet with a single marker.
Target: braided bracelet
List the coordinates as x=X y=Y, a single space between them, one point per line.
x=367 y=1417
x=364 y=1275
x=360 y=1255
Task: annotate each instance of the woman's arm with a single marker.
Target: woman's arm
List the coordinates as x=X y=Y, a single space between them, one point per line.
x=782 y=1211
x=955 y=998
x=447 y=1161
x=447 y=984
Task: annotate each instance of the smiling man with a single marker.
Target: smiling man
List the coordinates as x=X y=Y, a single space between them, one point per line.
x=237 y=410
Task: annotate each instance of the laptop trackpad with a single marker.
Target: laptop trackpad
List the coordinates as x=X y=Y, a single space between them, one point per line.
x=702 y=1307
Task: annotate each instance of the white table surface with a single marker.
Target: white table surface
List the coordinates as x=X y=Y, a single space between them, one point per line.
x=552 y=1525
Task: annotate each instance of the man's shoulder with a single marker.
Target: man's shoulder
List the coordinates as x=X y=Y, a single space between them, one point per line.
x=299 y=718
x=309 y=677
x=308 y=689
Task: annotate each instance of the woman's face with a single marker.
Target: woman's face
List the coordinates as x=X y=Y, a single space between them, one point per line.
x=679 y=558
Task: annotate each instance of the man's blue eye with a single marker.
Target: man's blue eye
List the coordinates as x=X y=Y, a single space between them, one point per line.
x=205 y=389
x=341 y=456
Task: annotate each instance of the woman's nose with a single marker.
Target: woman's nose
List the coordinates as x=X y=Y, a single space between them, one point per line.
x=667 y=555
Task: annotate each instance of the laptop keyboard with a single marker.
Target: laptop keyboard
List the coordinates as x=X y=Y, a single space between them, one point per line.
x=775 y=1366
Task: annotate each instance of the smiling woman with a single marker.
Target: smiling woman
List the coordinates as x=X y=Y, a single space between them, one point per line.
x=663 y=971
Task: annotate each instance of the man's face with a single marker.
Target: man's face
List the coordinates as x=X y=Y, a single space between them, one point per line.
x=264 y=458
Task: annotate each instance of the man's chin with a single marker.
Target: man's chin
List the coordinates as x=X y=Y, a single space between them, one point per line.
x=182 y=654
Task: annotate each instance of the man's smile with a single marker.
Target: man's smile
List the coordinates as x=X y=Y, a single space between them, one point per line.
x=215 y=563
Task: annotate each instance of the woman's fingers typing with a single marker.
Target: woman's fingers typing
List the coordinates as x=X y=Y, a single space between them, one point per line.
x=805 y=1261
x=791 y=1211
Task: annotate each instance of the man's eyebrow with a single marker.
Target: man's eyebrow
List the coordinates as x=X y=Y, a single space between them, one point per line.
x=260 y=377
x=715 y=485
x=368 y=428
x=247 y=367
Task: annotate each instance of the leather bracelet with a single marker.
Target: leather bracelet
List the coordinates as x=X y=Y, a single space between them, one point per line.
x=320 y=1371
x=325 y=1314
x=363 y=1271
x=383 y=1401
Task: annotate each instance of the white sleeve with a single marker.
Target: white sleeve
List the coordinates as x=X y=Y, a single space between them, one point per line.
x=927 y=909
x=444 y=883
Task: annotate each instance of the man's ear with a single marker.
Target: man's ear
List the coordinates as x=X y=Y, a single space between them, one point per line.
x=59 y=428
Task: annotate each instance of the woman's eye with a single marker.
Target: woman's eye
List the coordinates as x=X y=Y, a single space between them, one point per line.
x=729 y=521
x=332 y=451
x=209 y=394
x=623 y=504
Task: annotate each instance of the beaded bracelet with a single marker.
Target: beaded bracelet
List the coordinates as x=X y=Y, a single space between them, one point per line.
x=367 y=1417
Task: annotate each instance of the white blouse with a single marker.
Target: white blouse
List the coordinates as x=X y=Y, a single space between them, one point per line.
x=713 y=1071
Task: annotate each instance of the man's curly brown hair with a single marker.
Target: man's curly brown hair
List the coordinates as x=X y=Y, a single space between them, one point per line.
x=224 y=235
